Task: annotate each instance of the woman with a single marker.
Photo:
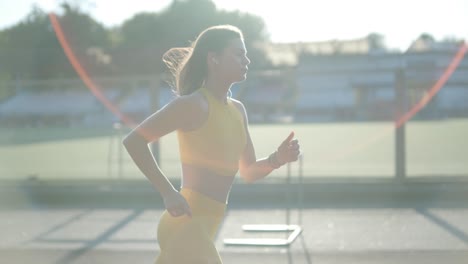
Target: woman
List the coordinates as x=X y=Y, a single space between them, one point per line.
x=214 y=143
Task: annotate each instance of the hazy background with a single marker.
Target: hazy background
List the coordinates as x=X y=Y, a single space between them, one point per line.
x=376 y=92
x=347 y=76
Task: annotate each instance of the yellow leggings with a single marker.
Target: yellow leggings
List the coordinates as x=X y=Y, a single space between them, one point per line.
x=191 y=240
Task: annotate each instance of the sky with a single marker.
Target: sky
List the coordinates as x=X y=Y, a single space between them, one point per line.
x=399 y=21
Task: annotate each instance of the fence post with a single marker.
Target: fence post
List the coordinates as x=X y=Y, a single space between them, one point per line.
x=400 y=144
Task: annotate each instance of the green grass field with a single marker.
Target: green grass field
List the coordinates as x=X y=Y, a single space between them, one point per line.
x=331 y=150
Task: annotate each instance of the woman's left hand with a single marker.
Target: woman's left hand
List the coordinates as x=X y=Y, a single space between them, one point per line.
x=289 y=150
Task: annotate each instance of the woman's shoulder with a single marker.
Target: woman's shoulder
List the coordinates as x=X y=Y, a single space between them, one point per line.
x=190 y=102
x=191 y=109
x=238 y=104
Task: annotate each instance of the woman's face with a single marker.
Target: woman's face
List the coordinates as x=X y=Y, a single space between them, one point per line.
x=232 y=63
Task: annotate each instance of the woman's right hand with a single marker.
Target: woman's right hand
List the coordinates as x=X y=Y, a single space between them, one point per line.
x=176 y=204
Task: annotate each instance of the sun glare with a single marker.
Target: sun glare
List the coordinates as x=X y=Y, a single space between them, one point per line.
x=399 y=21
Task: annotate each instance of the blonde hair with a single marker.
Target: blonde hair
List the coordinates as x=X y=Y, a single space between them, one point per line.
x=188 y=65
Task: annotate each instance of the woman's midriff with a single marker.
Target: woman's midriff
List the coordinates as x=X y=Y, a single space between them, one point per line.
x=207 y=182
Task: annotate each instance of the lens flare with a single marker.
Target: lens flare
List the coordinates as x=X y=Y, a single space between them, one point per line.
x=82 y=73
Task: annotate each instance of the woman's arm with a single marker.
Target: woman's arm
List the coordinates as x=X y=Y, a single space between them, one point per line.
x=182 y=114
x=251 y=169
x=138 y=149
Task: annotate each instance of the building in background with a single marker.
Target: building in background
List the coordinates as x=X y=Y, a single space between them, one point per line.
x=353 y=80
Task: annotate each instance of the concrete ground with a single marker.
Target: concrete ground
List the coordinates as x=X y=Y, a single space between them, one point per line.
x=341 y=223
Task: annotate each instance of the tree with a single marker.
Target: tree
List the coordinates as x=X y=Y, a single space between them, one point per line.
x=27 y=44
x=146 y=36
x=427 y=38
x=376 y=42
x=33 y=51
x=89 y=39
x=140 y=47
x=134 y=48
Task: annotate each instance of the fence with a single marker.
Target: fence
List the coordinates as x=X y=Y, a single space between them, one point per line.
x=294 y=96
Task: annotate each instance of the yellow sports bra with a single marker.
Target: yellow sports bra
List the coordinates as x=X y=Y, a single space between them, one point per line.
x=219 y=142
